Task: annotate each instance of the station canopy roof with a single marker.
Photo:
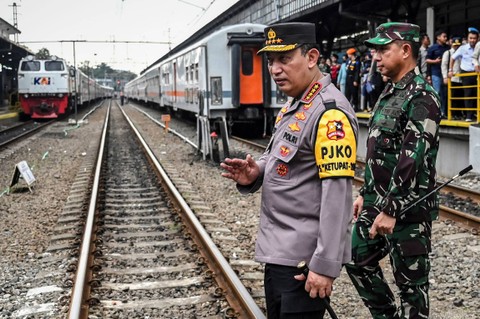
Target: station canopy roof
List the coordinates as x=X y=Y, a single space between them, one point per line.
x=10 y=52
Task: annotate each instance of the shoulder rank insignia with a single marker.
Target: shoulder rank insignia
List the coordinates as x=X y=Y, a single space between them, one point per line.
x=312 y=92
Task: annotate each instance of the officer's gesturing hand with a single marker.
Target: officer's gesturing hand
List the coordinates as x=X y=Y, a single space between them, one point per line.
x=382 y=225
x=317 y=285
x=243 y=171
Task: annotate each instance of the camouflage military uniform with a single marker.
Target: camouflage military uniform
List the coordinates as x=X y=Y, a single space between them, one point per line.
x=402 y=146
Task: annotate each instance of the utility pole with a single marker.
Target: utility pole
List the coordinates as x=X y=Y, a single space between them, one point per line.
x=15 y=21
x=75 y=102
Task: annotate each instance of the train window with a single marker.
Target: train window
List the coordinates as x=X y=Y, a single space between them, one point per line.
x=196 y=72
x=54 y=66
x=191 y=71
x=247 y=62
x=30 y=66
x=186 y=73
x=216 y=83
x=166 y=78
x=195 y=95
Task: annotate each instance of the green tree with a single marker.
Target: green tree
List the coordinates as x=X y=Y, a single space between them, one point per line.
x=43 y=53
x=103 y=71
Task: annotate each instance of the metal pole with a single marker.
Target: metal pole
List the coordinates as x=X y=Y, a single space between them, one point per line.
x=75 y=82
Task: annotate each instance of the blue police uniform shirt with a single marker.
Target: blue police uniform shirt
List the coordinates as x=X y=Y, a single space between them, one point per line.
x=465 y=52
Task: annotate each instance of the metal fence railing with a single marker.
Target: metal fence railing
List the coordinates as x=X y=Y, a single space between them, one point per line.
x=454 y=97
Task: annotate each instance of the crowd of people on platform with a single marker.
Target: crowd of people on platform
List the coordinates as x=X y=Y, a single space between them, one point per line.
x=357 y=77
x=446 y=59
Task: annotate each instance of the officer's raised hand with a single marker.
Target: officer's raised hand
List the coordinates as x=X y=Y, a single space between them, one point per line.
x=243 y=171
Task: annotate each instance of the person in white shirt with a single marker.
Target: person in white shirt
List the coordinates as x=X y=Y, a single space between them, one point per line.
x=455 y=80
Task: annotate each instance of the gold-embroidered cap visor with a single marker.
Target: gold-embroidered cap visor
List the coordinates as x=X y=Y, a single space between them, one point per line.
x=284 y=37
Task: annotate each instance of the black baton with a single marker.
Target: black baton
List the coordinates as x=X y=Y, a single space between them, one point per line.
x=304 y=269
x=461 y=173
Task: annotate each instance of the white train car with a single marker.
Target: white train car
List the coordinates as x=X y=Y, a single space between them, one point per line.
x=220 y=77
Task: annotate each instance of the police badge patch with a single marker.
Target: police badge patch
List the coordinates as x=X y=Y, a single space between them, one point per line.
x=282 y=169
x=335 y=130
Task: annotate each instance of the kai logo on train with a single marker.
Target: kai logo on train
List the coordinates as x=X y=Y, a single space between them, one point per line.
x=42 y=81
x=335 y=130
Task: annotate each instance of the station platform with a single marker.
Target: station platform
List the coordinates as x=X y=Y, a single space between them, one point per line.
x=7 y=115
x=457 y=147
x=443 y=123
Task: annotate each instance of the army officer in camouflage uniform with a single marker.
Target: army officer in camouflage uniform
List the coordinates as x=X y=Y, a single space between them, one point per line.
x=306 y=178
x=402 y=147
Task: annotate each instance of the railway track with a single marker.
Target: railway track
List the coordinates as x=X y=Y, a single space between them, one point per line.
x=147 y=259
x=231 y=220
x=20 y=131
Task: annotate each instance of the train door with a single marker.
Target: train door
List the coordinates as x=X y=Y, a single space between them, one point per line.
x=174 y=82
x=250 y=76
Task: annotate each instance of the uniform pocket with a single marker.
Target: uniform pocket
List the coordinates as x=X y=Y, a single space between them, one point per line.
x=300 y=302
x=413 y=247
x=387 y=140
x=413 y=265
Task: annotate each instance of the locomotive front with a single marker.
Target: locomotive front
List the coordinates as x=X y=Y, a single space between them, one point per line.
x=43 y=87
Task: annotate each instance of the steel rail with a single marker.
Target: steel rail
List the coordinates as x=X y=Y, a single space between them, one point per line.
x=77 y=309
x=468 y=220
x=242 y=301
x=24 y=134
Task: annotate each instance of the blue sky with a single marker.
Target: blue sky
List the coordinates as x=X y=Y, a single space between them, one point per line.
x=108 y=20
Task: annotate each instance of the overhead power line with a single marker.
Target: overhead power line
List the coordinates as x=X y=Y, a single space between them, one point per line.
x=100 y=41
